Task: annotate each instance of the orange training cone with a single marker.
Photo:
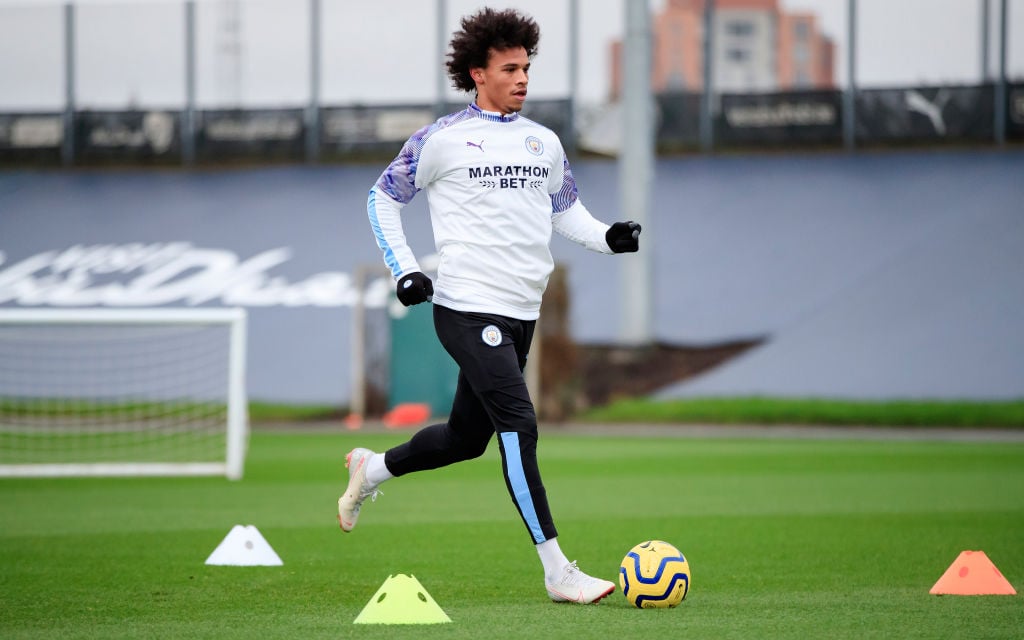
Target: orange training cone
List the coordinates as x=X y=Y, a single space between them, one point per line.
x=353 y=421
x=409 y=414
x=972 y=574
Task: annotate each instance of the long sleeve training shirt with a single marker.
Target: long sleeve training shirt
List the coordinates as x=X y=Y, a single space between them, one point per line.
x=496 y=186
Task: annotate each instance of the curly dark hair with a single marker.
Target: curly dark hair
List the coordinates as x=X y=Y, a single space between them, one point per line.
x=483 y=31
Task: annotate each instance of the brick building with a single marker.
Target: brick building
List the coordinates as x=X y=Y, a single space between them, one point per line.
x=758 y=47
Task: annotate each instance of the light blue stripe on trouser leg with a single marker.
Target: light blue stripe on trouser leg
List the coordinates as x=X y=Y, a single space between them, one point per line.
x=520 y=489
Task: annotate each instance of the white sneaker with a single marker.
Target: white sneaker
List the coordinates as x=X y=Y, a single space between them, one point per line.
x=572 y=585
x=358 y=489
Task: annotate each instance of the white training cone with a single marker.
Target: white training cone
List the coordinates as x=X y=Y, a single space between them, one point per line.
x=244 y=547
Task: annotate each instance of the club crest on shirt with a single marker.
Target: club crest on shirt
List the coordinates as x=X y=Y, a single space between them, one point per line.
x=491 y=335
x=534 y=145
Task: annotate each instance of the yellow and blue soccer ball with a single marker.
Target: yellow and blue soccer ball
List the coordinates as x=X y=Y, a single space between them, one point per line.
x=654 y=575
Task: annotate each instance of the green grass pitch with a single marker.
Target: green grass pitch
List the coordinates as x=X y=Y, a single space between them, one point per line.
x=785 y=538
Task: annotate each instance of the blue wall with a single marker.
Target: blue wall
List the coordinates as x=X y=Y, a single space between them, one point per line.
x=869 y=275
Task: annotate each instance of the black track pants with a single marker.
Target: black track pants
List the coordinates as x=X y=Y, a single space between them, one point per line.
x=491 y=397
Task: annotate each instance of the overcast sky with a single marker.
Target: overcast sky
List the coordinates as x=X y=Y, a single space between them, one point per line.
x=386 y=51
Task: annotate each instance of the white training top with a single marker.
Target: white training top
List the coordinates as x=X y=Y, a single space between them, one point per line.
x=496 y=186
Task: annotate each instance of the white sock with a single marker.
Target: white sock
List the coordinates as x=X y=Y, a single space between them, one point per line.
x=376 y=471
x=551 y=557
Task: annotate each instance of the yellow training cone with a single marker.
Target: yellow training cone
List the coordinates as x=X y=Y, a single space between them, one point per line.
x=401 y=600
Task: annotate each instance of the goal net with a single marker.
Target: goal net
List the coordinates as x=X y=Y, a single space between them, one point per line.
x=117 y=392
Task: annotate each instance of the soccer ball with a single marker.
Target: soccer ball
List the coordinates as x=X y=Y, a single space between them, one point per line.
x=654 y=574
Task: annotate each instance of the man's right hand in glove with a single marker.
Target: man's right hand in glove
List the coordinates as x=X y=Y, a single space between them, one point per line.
x=414 y=288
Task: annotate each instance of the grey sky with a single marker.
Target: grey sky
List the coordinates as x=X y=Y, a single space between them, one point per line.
x=385 y=52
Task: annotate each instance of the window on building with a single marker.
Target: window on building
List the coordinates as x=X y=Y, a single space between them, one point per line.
x=676 y=81
x=802 y=30
x=734 y=54
x=801 y=54
x=739 y=27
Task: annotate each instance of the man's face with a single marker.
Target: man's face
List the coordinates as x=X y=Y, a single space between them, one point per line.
x=501 y=85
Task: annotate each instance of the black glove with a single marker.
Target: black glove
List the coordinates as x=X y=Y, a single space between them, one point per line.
x=415 y=288
x=623 y=237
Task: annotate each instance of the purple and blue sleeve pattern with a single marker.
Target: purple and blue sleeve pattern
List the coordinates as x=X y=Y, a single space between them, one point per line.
x=399 y=179
x=398 y=183
x=567 y=195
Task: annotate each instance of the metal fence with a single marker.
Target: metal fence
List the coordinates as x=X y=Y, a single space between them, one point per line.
x=884 y=117
x=206 y=125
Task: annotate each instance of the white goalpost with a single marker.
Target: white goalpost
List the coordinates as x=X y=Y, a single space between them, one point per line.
x=122 y=392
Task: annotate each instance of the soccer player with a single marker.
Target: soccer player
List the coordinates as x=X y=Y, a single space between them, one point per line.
x=496 y=184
